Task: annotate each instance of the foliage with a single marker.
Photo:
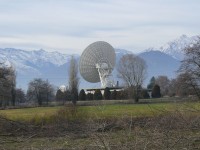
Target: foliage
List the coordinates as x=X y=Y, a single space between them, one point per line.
x=156 y=91
x=123 y=94
x=20 y=96
x=89 y=96
x=61 y=95
x=7 y=85
x=151 y=84
x=82 y=95
x=132 y=69
x=144 y=94
x=164 y=83
x=40 y=90
x=190 y=67
x=73 y=80
x=97 y=95
x=178 y=86
x=114 y=95
x=107 y=93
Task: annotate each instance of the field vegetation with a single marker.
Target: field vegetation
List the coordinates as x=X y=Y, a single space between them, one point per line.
x=156 y=125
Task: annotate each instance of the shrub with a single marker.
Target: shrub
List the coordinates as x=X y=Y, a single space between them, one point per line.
x=89 y=96
x=107 y=93
x=144 y=94
x=97 y=95
x=114 y=94
x=82 y=95
x=156 y=91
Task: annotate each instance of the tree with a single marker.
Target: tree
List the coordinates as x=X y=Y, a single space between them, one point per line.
x=68 y=95
x=180 y=87
x=20 y=96
x=163 y=82
x=132 y=69
x=156 y=91
x=82 y=95
x=89 y=96
x=152 y=83
x=107 y=93
x=49 y=90
x=40 y=90
x=61 y=95
x=190 y=67
x=144 y=94
x=7 y=85
x=98 y=95
x=73 y=80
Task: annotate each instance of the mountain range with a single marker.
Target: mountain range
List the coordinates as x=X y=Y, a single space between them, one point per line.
x=54 y=66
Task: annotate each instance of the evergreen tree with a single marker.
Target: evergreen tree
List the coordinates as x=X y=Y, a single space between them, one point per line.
x=97 y=95
x=152 y=83
x=156 y=91
x=82 y=95
x=107 y=93
x=89 y=96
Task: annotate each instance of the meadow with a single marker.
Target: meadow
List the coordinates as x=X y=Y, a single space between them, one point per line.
x=103 y=109
x=158 y=124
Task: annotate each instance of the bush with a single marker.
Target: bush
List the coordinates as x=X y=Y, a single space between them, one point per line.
x=114 y=95
x=89 y=96
x=97 y=95
x=107 y=93
x=156 y=91
x=144 y=94
x=82 y=95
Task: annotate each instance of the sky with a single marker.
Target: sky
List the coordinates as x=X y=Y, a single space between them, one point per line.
x=69 y=26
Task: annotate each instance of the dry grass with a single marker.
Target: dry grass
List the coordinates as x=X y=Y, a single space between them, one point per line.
x=72 y=128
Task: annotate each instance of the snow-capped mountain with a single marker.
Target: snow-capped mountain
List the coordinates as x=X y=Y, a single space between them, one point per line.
x=34 y=64
x=175 y=48
x=38 y=58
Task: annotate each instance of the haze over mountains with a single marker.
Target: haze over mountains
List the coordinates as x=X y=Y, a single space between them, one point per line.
x=54 y=65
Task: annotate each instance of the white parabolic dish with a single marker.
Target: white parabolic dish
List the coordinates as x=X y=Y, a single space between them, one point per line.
x=97 y=62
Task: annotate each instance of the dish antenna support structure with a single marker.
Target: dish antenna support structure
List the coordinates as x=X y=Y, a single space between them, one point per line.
x=97 y=63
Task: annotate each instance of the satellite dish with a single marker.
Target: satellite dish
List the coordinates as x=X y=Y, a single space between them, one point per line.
x=97 y=63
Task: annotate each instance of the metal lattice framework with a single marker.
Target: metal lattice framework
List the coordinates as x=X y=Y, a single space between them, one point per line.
x=97 y=62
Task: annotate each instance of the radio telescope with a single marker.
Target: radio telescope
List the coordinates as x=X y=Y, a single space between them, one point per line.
x=97 y=63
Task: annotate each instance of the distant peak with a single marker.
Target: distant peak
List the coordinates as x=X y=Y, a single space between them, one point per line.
x=175 y=47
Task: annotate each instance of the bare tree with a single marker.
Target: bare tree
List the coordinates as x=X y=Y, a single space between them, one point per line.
x=190 y=66
x=20 y=96
x=163 y=82
x=73 y=80
x=12 y=80
x=132 y=69
x=40 y=90
x=7 y=85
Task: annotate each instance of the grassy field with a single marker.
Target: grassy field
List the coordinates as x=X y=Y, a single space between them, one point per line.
x=164 y=125
x=100 y=111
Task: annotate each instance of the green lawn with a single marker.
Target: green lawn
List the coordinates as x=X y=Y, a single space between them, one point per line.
x=101 y=111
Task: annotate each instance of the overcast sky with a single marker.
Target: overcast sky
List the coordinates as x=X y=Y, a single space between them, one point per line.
x=69 y=26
